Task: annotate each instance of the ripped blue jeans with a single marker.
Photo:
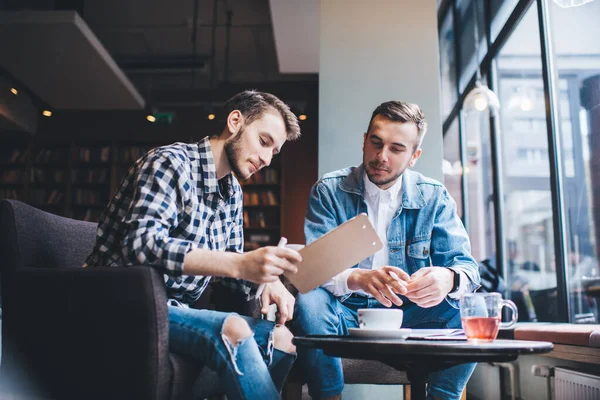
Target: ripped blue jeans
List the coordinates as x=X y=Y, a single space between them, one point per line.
x=318 y=312
x=249 y=369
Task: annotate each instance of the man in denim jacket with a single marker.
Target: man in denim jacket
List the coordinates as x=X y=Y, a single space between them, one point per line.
x=424 y=266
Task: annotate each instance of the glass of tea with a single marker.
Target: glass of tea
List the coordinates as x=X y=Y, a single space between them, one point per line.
x=481 y=313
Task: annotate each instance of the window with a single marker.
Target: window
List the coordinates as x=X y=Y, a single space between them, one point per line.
x=452 y=167
x=478 y=171
x=500 y=10
x=528 y=216
x=520 y=151
x=466 y=35
x=574 y=33
x=447 y=65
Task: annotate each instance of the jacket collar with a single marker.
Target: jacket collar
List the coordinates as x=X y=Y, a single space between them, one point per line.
x=412 y=197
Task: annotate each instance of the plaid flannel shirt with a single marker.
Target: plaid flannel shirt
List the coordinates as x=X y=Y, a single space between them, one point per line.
x=169 y=203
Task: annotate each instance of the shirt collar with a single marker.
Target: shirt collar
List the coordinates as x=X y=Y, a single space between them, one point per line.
x=209 y=172
x=374 y=192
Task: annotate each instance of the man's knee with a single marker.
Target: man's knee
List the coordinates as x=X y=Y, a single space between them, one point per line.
x=282 y=339
x=313 y=303
x=236 y=329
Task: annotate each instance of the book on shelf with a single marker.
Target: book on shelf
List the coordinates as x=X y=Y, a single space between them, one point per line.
x=11 y=176
x=19 y=155
x=41 y=175
x=11 y=194
x=269 y=176
x=89 y=197
x=92 y=154
x=94 y=175
x=254 y=219
x=130 y=154
x=47 y=196
x=266 y=198
x=48 y=156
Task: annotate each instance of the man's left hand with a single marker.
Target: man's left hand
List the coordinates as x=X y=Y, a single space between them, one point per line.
x=277 y=293
x=429 y=286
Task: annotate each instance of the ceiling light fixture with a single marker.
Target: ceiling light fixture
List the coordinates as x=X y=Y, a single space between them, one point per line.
x=211 y=116
x=151 y=118
x=47 y=113
x=302 y=117
x=14 y=91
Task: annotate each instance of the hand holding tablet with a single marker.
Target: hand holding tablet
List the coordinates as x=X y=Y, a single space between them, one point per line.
x=334 y=252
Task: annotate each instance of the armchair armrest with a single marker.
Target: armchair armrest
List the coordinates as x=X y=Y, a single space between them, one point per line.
x=92 y=333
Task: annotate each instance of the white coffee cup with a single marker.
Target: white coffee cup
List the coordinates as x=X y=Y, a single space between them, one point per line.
x=380 y=318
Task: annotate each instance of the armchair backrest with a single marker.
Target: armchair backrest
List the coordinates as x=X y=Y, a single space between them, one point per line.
x=32 y=238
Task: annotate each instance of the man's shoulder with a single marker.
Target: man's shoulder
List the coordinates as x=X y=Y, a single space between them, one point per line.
x=421 y=180
x=429 y=189
x=180 y=151
x=336 y=176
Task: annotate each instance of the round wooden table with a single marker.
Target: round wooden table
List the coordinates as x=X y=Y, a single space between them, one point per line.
x=421 y=357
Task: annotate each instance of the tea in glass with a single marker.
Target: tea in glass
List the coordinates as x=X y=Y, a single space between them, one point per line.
x=480 y=314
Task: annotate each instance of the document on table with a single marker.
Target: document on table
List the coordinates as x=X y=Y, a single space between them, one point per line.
x=437 y=334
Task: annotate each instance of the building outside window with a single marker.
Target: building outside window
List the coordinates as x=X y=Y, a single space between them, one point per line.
x=452 y=167
x=574 y=32
x=528 y=222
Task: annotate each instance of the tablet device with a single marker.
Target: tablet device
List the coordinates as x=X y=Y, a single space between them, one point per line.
x=334 y=252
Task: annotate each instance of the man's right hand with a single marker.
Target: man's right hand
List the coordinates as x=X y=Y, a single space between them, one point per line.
x=264 y=265
x=380 y=283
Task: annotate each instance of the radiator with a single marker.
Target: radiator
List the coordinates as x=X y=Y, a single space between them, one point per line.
x=574 y=385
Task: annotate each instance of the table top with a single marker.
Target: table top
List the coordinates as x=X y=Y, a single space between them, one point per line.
x=350 y=347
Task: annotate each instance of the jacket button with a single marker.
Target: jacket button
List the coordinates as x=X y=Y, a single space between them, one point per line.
x=425 y=251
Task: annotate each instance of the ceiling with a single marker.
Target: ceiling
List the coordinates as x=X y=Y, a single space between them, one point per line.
x=181 y=45
x=161 y=46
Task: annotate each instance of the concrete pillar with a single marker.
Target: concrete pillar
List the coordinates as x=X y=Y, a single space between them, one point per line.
x=371 y=52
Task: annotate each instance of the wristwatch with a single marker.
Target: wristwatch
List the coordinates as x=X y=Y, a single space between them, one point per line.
x=456 y=281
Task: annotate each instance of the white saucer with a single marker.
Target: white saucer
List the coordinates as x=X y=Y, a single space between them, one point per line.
x=380 y=333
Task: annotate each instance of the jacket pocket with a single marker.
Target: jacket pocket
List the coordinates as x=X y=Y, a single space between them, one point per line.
x=418 y=254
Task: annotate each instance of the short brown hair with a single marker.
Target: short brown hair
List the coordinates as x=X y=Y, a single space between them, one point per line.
x=401 y=111
x=253 y=105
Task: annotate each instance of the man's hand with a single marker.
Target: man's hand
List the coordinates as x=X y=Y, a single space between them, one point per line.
x=380 y=283
x=277 y=293
x=264 y=265
x=429 y=286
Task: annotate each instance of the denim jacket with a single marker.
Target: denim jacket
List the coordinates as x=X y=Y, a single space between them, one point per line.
x=426 y=224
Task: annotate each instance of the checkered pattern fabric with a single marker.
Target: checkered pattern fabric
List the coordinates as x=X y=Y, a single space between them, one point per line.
x=169 y=203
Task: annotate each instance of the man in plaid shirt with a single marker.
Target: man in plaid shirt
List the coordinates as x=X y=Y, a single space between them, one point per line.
x=179 y=209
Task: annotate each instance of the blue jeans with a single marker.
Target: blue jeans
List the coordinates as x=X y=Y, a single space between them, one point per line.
x=249 y=369
x=318 y=312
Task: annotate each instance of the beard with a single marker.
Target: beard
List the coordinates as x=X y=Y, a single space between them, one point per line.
x=233 y=150
x=381 y=180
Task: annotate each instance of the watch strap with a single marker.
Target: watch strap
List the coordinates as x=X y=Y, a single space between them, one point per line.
x=456 y=281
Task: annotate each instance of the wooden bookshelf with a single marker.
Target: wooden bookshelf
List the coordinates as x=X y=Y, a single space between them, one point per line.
x=71 y=178
x=14 y=157
x=62 y=172
x=262 y=207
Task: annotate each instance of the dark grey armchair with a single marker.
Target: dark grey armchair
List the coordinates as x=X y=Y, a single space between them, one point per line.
x=82 y=333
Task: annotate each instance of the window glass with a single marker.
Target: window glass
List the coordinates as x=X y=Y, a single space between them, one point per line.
x=447 y=65
x=466 y=35
x=501 y=10
x=451 y=165
x=574 y=33
x=527 y=207
x=478 y=170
